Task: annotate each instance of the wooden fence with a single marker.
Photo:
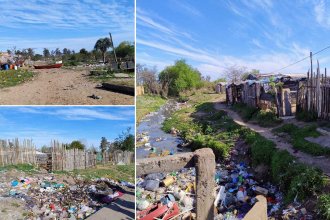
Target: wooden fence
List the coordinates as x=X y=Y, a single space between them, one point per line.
x=123 y=157
x=16 y=152
x=314 y=94
x=68 y=160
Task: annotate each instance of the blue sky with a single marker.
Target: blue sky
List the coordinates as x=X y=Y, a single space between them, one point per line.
x=65 y=124
x=73 y=24
x=213 y=35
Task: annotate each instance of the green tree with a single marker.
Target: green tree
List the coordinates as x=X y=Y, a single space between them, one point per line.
x=102 y=45
x=37 y=57
x=125 y=49
x=180 y=77
x=104 y=144
x=30 y=52
x=46 y=53
x=76 y=145
x=125 y=141
x=253 y=72
x=45 y=149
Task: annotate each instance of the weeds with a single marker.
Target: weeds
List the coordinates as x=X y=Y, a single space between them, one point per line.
x=146 y=104
x=299 y=142
x=324 y=206
x=261 y=117
x=14 y=77
x=28 y=168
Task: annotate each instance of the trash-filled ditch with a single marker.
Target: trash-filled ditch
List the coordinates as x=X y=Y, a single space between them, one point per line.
x=238 y=186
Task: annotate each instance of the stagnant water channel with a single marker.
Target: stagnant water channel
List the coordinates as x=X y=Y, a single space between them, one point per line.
x=151 y=125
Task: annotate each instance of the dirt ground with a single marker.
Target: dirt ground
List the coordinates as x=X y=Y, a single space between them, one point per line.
x=61 y=87
x=321 y=162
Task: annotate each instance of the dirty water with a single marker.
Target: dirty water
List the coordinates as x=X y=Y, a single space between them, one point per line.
x=158 y=140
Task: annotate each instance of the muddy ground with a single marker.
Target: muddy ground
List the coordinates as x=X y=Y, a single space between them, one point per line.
x=61 y=87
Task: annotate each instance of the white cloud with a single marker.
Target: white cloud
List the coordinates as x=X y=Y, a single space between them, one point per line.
x=76 y=113
x=71 y=14
x=188 y=8
x=322 y=13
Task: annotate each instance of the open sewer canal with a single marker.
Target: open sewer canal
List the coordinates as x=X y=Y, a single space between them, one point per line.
x=238 y=186
x=152 y=140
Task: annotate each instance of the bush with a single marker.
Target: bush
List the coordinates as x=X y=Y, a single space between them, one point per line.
x=323 y=206
x=306 y=183
x=246 y=112
x=183 y=77
x=306 y=116
x=280 y=163
x=267 y=118
x=262 y=151
x=220 y=149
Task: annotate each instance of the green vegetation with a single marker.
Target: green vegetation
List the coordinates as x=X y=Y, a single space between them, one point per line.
x=306 y=116
x=14 y=77
x=324 y=206
x=75 y=145
x=294 y=179
x=146 y=104
x=194 y=124
x=115 y=172
x=203 y=126
x=125 y=141
x=28 y=168
x=261 y=117
x=180 y=77
x=124 y=51
x=298 y=141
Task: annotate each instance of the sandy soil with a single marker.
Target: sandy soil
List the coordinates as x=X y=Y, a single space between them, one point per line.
x=61 y=87
x=321 y=162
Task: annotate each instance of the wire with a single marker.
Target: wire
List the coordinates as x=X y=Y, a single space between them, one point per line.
x=302 y=59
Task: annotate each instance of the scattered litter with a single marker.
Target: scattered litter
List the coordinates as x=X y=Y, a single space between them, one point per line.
x=46 y=197
x=95 y=96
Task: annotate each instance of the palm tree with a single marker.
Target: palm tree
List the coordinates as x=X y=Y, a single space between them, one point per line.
x=103 y=44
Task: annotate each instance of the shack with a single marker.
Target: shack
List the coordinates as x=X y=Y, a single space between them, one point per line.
x=220 y=87
x=267 y=91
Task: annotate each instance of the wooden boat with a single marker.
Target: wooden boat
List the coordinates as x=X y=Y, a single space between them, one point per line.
x=49 y=66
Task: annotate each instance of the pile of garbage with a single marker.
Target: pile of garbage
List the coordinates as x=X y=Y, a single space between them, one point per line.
x=164 y=196
x=47 y=198
x=237 y=191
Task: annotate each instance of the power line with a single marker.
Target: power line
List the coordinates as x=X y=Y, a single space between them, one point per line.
x=302 y=59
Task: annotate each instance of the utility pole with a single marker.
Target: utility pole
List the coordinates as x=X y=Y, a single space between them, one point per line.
x=114 y=51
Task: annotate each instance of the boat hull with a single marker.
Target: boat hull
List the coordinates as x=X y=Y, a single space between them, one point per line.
x=57 y=65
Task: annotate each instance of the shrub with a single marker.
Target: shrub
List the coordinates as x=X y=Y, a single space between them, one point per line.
x=323 y=206
x=246 y=112
x=220 y=149
x=267 y=118
x=306 y=183
x=280 y=163
x=306 y=116
x=262 y=151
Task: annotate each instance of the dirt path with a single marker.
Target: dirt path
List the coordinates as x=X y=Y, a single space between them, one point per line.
x=61 y=87
x=317 y=161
